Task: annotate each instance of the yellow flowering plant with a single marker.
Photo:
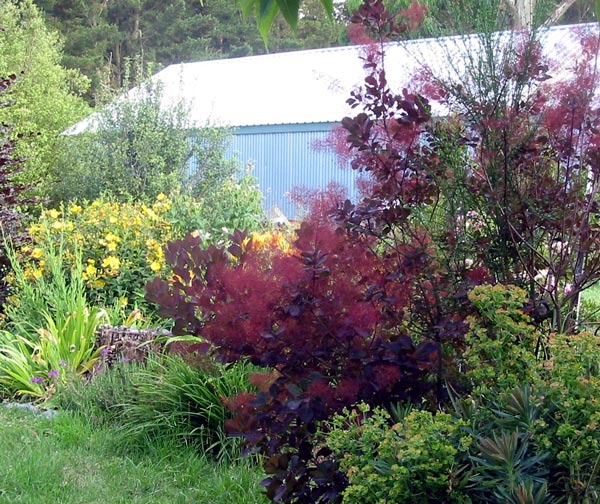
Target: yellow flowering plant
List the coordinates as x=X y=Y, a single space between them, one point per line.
x=50 y=327
x=120 y=243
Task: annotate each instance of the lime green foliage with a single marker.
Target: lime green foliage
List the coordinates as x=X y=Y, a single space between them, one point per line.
x=414 y=460
x=501 y=342
x=51 y=328
x=572 y=413
x=164 y=399
x=47 y=96
x=66 y=460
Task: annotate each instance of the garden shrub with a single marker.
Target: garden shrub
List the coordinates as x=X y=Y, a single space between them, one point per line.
x=138 y=149
x=302 y=312
x=120 y=245
x=502 y=342
x=235 y=204
x=415 y=460
x=507 y=462
x=572 y=415
x=12 y=228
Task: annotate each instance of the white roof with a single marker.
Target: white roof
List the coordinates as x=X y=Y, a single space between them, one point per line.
x=308 y=86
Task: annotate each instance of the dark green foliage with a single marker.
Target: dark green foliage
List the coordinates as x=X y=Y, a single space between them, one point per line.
x=100 y=37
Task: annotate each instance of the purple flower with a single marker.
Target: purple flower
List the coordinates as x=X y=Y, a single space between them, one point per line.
x=53 y=373
x=62 y=363
x=105 y=351
x=37 y=379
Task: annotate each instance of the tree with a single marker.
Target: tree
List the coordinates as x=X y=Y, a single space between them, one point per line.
x=101 y=37
x=47 y=97
x=137 y=149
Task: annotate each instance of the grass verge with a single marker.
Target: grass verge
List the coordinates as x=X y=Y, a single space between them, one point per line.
x=64 y=460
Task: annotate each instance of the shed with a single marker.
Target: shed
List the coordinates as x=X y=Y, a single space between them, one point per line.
x=280 y=105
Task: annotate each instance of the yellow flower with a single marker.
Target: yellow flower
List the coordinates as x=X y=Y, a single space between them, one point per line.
x=161 y=197
x=98 y=283
x=36 y=228
x=111 y=247
x=155 y=266
x=75 y=209
x=90 y=270
x=53 y=214
x=37 y=252
x=33 y=274
x=58 y=225
x=111 y=262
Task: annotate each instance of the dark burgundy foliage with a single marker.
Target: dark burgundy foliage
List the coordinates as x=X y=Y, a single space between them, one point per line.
x=11 y=192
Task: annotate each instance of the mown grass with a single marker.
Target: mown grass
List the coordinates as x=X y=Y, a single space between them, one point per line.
x=64 y=460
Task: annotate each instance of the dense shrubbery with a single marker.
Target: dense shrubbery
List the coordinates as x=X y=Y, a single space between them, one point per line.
x=385 y=300
x=140 y=148
x=11 y=194
x=420 y=344
x=121 y=245
x=529 y=435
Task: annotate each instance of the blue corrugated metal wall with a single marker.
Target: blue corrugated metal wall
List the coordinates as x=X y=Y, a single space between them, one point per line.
x=284 y=157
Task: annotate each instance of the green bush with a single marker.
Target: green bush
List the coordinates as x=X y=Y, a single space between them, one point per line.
x=570 y=431
x=502 y=343
x=138 y=149
x=415 y=460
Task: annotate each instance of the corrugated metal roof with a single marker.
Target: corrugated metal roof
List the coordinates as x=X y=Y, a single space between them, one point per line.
x=309 y=86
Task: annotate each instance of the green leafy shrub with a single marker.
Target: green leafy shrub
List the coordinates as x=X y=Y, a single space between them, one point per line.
x=570 y=431
x=138 y=148
x=415 y=460
x=235 y=204
x=47 y=98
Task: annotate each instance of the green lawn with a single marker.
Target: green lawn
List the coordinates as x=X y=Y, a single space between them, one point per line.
x=64 y=461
